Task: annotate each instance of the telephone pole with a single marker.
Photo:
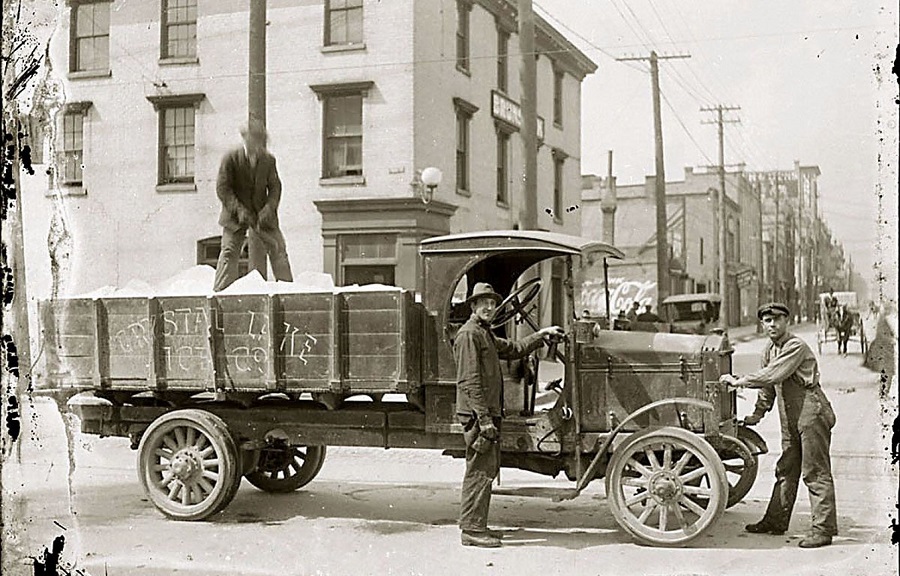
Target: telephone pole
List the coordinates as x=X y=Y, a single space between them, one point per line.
x=529 y=213
x=662 y=248
x=721 y=256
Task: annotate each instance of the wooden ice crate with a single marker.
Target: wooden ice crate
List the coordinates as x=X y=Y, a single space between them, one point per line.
x=381 y=335
x=69 y=332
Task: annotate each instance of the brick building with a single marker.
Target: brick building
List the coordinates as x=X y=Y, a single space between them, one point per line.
x=361 y=96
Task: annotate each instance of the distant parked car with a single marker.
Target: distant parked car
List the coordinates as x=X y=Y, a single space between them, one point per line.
x=693 y=313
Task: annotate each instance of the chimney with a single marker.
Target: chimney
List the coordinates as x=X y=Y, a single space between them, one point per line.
x=608 y=204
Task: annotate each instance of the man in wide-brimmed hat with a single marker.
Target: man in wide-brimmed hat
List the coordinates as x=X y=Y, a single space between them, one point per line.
x=790 y=371
x=479 y=406
x=250 y=191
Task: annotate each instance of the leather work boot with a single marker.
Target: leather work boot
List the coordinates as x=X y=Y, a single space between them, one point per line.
x=815 y=541
x=763 y=528
x=480 y=539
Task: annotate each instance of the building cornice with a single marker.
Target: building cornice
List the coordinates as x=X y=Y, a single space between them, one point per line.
x=164 y=100
x=342 y=88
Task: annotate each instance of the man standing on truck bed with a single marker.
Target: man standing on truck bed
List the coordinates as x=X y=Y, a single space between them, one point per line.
x=250 y=191
x=479 y=401
x=790 y=371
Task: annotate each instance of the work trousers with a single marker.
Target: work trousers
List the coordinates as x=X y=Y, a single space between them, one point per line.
x=843 y=338
x=481 y=469
x=233 y=241
x=806 y=423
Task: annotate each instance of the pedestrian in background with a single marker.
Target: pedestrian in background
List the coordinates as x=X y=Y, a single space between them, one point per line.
x=790 y=373
x=250 y=191
x=479 y=401
x=632 y=313
x=844 y=325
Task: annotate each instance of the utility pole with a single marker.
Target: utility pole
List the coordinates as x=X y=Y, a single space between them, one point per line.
x=722 y=196
x=528 y=76
x=776 y=290
x=662 y=248
x=256 y=110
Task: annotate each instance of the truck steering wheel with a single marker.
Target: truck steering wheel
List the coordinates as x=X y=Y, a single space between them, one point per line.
x=512 y=305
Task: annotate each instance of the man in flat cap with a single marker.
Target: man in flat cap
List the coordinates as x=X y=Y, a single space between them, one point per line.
x=790 y=372
x=479 y=406
x=249 y=189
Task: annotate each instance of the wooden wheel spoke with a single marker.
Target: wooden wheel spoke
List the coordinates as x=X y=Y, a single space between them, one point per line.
x=663 y=517
x=667 y=456
x=636 y=482
x=643 y=470
x=694 y=474
x=682 y=462
x=210 y=475
x=166 y=480
x=186 y=495
x=211 y=463
x=697 y=491
x=651 y=458
x=179 y=437
x=160 y=467
x=693 y=506
x=174 y=489
x=170 y=443
x=190 y=436
x=679 y=516
x=648 y=509
x=164 y=453
x=637 y=498
x=208 y=451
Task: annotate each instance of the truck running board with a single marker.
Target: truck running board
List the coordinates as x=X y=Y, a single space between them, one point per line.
x=554 y=494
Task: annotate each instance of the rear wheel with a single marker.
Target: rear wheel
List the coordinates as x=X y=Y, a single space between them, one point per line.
x=666 y=486
x=188 y=464
x=286 y=468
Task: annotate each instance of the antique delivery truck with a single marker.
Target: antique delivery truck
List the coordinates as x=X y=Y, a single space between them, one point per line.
x=213 y=389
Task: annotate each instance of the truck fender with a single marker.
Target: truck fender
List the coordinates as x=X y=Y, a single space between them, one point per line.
x=753 y=440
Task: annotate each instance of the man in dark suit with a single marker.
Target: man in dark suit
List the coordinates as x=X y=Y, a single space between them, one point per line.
x=249 y=189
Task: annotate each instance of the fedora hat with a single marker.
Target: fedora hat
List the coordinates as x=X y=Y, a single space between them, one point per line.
x=483 y=290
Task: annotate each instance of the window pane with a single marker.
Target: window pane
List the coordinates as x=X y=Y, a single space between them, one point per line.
x=337 y=4
x=338 y=28
x=101 y=18
x=84 y=20
x=85 y=53
x=355 y=25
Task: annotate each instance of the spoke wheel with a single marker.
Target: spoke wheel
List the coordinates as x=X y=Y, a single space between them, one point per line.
x=286 y=468
x=741 y=467
x=666 y=486
x=188 y=464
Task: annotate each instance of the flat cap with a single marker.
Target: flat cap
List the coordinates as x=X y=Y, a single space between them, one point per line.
x=772 y=308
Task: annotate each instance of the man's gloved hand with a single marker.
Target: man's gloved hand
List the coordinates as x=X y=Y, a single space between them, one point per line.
x=267 y=216
x=729 y=380
x=488 y=430
x=752 y=419
x=246 y=217
x=552 y=333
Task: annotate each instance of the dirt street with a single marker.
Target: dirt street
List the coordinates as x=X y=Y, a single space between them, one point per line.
x=378 y=512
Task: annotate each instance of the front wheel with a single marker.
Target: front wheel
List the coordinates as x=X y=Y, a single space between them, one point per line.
x=188 y=464
x=284 y=469
x=666 y=486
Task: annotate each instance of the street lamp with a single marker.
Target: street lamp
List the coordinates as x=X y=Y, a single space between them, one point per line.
x=426 y=181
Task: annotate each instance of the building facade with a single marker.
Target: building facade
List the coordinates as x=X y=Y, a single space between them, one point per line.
x=692 y=240
x=361 y=95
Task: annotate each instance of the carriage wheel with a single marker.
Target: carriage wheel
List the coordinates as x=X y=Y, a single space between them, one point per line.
x=286 y=468
x=666 y=486
x=188 y=464
x=819 y=340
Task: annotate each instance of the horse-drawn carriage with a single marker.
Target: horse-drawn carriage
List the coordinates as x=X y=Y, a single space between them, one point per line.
x=839 y=313
x=211 y=390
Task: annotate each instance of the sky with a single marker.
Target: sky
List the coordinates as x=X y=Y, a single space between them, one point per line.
x=802 y=72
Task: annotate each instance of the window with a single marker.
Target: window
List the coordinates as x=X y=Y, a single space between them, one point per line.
x=177 y=122
x=502 y=166
x=558 y=180
x=502 y=60
x=368 y=258
x=701 y=287
x=179 y=29
x=71 y=154
x=464 y=113
x=558 y=76
x=343 y=22
x=177 y=144
x=208 y=253
x=343 y=136
x=89 y=50
x=463 y=8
